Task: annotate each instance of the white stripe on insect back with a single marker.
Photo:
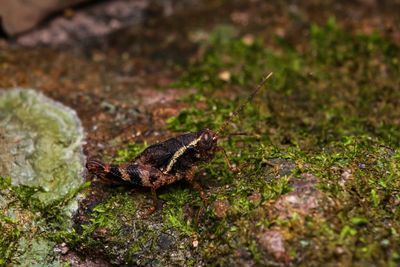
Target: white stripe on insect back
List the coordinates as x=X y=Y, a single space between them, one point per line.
x=179 y=153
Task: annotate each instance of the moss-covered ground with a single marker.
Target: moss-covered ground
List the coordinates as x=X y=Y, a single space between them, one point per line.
x=29 y=228
x=331 y=110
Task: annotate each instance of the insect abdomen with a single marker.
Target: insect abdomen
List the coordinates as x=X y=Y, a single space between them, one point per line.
x=128 y=173
x=134 y=174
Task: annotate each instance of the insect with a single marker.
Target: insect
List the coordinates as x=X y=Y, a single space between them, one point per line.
x=166 y=162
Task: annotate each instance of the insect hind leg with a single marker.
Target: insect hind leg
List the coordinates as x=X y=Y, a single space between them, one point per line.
x=152 y=209
x=160 y=179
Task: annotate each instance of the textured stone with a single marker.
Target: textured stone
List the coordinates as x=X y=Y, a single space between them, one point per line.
x=273 y=243
x=41 y=143
x=22 y=15
x=40 y=147
x=304 y=199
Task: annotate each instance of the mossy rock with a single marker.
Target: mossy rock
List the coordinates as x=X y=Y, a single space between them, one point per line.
x=41 y=162
x=41 y=143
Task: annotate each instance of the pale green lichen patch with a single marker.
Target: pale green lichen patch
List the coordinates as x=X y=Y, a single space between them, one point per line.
x=41 y=143
x=40 y=176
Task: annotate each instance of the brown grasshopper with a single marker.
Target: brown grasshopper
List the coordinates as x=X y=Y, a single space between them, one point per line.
x=169 y=161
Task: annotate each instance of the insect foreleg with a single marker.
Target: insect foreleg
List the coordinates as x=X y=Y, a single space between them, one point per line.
x=189 y=177
x=226 y=158
x=154 y=179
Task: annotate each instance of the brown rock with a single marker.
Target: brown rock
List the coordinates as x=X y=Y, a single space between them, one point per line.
x=221 y=208
x=273 y=243
x=22 y=15
x=303 y=200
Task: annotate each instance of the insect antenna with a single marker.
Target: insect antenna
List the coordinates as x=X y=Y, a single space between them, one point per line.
x=241 y=107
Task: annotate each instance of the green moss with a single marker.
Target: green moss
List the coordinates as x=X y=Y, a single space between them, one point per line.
x=129 y=153
x=173 y=210
x=118 y=230
x=9 y=238
x=330 y=109
x=108 y=214
x=30 y=227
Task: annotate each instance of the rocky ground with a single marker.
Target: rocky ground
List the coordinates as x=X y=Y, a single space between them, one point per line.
x=317 y=157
